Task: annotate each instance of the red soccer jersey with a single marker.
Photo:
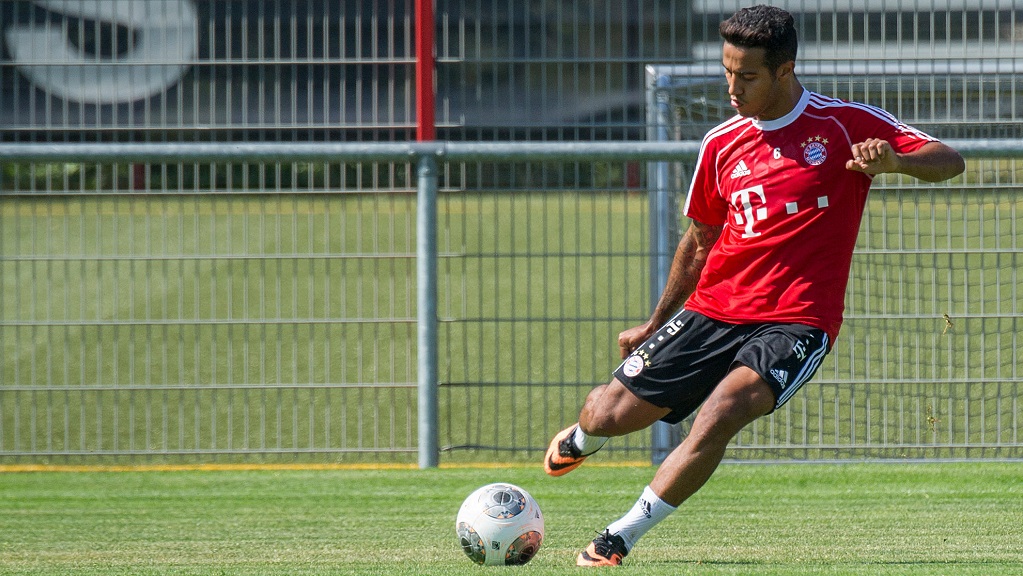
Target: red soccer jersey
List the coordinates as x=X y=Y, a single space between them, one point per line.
x=790 y=210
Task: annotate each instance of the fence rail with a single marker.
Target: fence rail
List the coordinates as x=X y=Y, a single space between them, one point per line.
x=169 y=153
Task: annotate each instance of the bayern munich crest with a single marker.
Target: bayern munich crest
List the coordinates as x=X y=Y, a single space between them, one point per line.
x=815 y=151
x=633 y=366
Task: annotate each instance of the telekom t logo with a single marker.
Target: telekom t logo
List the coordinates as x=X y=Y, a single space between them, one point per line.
x=750 y=205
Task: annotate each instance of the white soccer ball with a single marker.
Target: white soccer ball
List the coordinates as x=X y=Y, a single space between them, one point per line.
x=499 y=524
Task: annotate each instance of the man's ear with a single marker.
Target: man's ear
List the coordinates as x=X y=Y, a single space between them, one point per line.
x=785 y=69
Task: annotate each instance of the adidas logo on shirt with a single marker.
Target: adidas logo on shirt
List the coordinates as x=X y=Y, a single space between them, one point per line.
x=740 y=170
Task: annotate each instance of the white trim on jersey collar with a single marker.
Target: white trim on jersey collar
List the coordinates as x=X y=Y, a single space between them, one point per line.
x=768 y=125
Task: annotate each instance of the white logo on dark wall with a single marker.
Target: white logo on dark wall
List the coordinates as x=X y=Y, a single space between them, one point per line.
x=166 y=34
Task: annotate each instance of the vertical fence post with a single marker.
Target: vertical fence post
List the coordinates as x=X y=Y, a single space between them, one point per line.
x=426 y=271
x=426 y=240
x=661 y=255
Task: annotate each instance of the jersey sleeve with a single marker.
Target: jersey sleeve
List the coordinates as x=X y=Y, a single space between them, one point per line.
x=704 y=203
x=873 y=122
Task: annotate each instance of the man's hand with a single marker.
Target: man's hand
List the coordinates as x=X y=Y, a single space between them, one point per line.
x=932 y=162
x=629 y=340
x=873 y=156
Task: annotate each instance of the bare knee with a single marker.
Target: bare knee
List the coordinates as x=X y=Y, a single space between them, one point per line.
x=594 y=418
x=731 y=413
x=733 y=405
x=613 y=410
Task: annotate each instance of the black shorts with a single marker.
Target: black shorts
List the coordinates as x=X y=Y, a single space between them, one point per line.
x=684 y=360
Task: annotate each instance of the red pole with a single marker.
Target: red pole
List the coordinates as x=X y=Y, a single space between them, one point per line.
x=425 y=98
x=138 y=177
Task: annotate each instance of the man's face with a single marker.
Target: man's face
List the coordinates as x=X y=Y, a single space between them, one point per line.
x=755 y=91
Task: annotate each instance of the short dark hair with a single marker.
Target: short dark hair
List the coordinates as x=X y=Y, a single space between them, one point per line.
x=767 y=27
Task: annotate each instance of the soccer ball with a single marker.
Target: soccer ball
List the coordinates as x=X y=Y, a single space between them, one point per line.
x=499 y=524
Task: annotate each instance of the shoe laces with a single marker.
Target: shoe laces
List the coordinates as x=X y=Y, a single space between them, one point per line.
x=567 y=447
x=607 y=544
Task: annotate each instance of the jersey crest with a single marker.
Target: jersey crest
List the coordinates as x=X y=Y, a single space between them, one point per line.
x=815 y=150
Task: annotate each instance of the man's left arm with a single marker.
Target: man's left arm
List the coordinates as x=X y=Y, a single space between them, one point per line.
x=932 y=162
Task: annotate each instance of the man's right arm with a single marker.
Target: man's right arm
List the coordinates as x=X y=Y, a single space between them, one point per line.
x=686 y=267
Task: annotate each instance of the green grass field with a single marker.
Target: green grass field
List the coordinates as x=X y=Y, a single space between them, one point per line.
x=857 y=519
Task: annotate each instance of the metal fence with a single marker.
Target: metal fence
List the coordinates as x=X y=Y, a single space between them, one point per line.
x=271 y=70
x=265 y=307
x=219 y=325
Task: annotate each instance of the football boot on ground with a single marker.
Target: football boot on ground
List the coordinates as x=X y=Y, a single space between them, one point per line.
x=606 y=550
x=562 y=455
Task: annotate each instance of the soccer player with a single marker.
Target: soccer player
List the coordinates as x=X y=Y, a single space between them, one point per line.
x=775 y=204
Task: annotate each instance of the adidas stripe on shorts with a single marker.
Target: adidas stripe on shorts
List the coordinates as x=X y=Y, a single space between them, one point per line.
x=684 y=360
